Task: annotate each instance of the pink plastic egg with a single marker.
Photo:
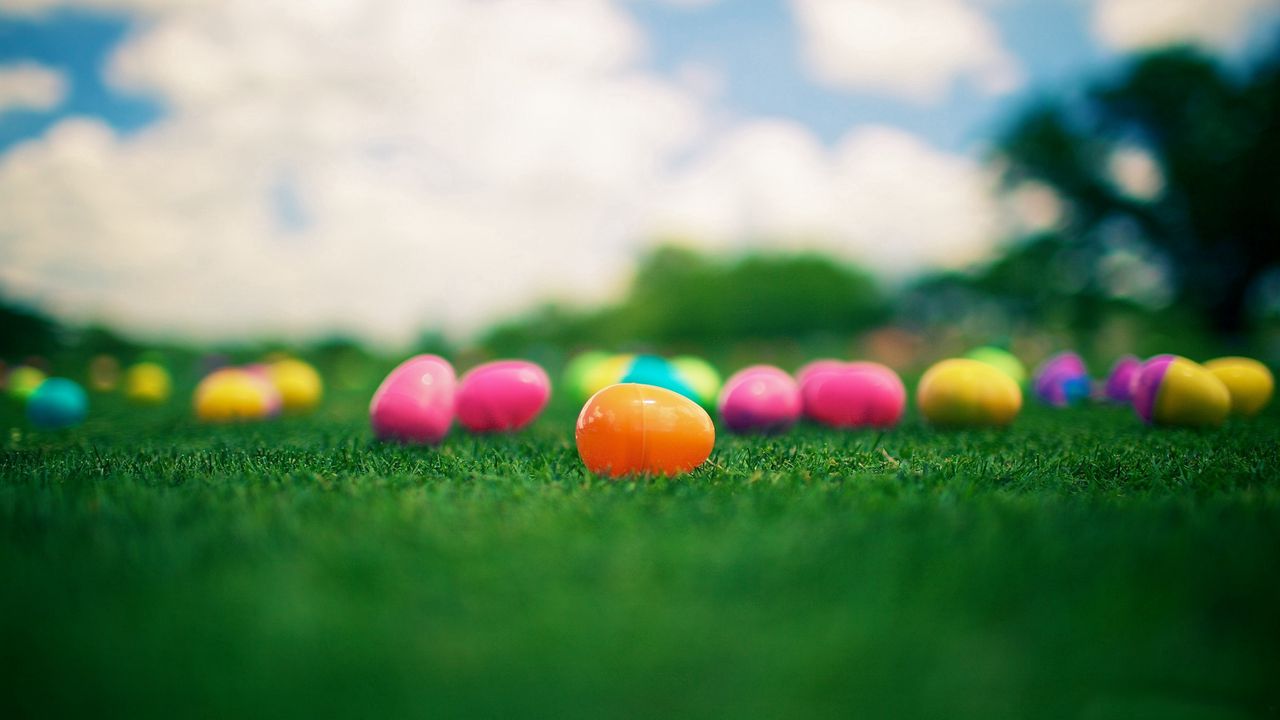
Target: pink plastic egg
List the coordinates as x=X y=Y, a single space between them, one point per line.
x=814 y=366
x=502 y=396
x=414 y=404
x=1120 y=380
x=857 y=394
x=760 y=398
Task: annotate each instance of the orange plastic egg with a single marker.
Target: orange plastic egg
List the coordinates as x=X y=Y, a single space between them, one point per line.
x=632 y=429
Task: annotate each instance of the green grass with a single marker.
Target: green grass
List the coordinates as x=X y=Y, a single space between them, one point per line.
x=1078 y=565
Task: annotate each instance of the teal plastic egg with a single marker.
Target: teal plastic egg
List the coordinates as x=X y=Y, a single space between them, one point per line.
x=57 y=404
x=656 y=371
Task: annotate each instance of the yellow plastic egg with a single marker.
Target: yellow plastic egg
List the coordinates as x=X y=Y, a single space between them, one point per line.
x=701 y=377
x=965 y=393
x=231 y=394
x=23 y=381
x=1248 y=381
x=299 y=384
x=606 y=373
x=147 y=383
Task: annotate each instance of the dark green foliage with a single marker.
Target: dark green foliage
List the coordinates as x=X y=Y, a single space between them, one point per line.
x=1215 y=132
x=25 y=332
x=1076 y=565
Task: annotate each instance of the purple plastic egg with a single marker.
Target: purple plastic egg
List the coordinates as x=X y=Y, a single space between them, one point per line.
x=1119 y=387
x=761 y=398
x=1062 y=380
x=414 y=404
x=502 y=396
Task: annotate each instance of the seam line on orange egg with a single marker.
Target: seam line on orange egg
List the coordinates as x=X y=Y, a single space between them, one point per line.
x=644 y=427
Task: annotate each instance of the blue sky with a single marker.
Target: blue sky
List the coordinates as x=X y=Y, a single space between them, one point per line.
x=753 y=45
x=222 y=168
x=78 y=44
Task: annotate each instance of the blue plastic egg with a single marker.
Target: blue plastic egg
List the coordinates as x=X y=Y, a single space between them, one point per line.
x=57 y=404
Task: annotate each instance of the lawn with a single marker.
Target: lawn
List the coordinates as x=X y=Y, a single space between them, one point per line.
x=1077 y=565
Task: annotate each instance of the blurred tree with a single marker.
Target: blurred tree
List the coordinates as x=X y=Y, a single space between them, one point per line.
x=25 y=332
x=1214 y=135
x=681 y=298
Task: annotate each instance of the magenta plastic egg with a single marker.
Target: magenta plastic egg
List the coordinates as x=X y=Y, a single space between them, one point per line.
x=502 y=396
x=857 y=394
x=1062 y=380
x=814 y=366
x=1119 y=387
x=761 y=398
x=415 y=403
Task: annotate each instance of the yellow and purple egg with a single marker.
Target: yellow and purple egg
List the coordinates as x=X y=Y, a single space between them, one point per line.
x=1172 y=390
x=1249 y=382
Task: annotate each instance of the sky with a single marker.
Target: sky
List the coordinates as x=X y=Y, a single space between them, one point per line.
x=221 y=169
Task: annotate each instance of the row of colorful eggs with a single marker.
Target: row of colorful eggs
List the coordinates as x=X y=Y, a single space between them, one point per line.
x=250 y=392
x=146 y=383
x=689 y=375
x=57 y=403
x=258 y=391
x=1165 y=389
x=634 y=426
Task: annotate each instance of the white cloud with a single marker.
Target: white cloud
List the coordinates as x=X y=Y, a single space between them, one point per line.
x=881 y=197
x=450 y=161
x=380 y=167
x=1141 y=24
x=28 y=86
x=914 y=49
